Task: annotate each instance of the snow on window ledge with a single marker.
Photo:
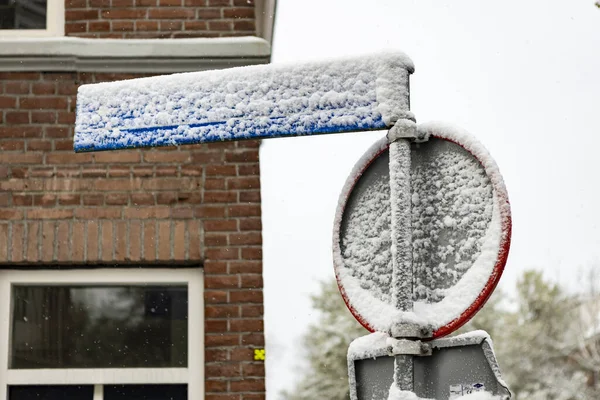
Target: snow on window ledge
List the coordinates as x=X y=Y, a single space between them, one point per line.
x=130 y=55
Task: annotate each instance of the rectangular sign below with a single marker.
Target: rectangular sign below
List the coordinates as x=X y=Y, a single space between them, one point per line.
x=456 y=367
x=255 y=102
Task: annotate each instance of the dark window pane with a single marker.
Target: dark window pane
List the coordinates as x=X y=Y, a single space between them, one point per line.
x=50 y=392
x=23 y=14
x=145 y=392
x=99 y=327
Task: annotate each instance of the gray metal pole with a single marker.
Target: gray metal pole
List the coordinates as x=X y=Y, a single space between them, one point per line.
x=402 y=275
x=400 y=197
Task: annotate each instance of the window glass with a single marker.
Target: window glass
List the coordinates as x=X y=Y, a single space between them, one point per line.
x=114 y=326
x=50 y=392
x=23 y=14
x=145 y=392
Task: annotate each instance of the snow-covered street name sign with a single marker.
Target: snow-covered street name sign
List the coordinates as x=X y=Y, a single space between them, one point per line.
x=452 y=368
x=457 y=236
x=255 y=102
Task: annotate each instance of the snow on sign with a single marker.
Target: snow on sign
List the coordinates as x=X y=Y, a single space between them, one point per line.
x=256 y=102
x=455 y=368
x=459 y=222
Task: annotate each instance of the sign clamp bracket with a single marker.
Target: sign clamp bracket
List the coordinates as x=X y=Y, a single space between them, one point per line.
x=410 y=331
x=402 y=129
x=408 y=347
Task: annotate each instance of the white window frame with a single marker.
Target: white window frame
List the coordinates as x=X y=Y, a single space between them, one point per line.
x=193 y=375
x=55 y=23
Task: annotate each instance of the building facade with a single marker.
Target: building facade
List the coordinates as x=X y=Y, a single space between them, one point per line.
x=133 y=274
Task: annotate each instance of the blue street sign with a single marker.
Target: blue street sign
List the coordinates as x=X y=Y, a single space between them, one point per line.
x=256 y=102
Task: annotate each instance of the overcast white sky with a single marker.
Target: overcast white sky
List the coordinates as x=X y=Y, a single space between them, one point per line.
x=522 y=76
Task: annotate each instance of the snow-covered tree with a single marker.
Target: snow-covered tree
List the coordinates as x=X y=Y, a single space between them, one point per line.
x=586 y=330
x=532 y=341
x=325 y=373
x=538 y=337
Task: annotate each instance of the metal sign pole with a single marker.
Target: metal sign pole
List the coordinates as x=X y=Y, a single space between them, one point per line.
x=402 y=274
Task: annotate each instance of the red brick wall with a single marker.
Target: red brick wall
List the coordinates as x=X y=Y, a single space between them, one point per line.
x=159 y=18
x=193 y=204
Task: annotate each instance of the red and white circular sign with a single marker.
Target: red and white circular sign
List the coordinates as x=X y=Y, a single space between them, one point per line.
x=460 y=225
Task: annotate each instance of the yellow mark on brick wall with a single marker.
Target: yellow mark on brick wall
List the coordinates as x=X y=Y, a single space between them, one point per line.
x=259 y=354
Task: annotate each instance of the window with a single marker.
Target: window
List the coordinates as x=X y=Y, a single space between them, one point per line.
x=27 y=18
x=101 y=334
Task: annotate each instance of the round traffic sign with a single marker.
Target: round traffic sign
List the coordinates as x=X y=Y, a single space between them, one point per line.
x=460 y=228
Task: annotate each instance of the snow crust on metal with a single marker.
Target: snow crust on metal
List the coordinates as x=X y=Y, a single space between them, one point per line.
x=255 y=102
x=379 y=344
x=477 y=337
x=397 y=394
x=461 y=228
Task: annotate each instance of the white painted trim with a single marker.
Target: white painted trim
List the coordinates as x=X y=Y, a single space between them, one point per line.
x=5 y=318
x=55 y=19
x=131 y=55
x=55 y=24
x=102 y=276
x=248 y=46
x=98 y=392
x=193 y=375
x=93 y=376
x=124 y=65
x=23 y=33
x=196 y=339
x=265 y=18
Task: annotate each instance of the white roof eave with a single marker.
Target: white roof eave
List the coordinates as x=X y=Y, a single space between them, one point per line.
x=131 y=55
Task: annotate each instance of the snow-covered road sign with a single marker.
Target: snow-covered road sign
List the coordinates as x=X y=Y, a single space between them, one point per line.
x=423 y=227
x=459 y=233
x=256 y=102
x=455 y=367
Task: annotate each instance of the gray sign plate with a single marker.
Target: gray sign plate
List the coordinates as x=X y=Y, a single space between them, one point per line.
x=451 y=371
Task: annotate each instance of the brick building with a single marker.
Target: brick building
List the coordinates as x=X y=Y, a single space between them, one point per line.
x=131 y=274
